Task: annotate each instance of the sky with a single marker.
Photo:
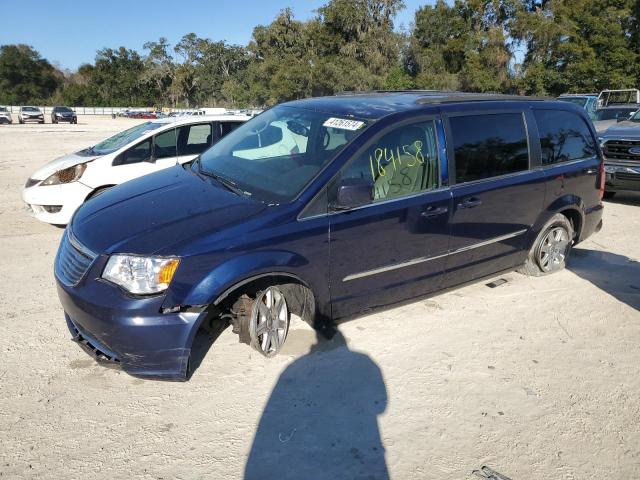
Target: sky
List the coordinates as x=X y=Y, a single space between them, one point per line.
x=68 y=33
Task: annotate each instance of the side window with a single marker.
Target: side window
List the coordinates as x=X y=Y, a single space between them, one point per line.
x=164 y=144
x=228 y=127
x=489 y=145
x=194 y=139
x=402 y=162
x=564 y=136
x=138 y=153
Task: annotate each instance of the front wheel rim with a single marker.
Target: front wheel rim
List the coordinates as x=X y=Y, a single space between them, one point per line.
x=269 y=322
x=553 y=249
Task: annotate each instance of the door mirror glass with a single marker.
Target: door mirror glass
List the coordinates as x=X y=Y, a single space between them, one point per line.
x=353 y=193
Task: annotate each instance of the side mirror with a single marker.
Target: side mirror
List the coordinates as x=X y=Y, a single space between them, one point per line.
x=353 y=193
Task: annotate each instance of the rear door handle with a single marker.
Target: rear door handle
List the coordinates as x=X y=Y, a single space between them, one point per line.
x=470 y=202
x=431 y=212
x=590 y=171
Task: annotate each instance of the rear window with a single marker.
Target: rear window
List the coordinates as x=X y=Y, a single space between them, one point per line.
x=564 y=136
x=489 y=145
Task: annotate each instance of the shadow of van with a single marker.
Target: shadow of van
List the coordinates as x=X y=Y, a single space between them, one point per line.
x=615 y=274
x=321 y=418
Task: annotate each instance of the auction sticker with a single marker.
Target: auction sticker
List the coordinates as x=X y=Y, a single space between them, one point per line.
x=343 y=124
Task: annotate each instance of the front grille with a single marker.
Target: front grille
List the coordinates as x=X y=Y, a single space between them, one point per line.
x=619 y=150
x=632 y=177
x=73 y=260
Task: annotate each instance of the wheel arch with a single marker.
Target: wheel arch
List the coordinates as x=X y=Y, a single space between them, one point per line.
x=571 y=206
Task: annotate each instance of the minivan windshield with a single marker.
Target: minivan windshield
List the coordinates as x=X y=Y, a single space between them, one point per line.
x=62 y=109
x=29 y=109
x=274 y=155
x=121 y=139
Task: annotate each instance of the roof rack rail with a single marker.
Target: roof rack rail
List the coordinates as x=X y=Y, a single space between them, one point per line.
x=625 y=95
x=451 y=97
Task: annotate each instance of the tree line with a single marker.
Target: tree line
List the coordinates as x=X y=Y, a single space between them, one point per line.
x=536 y=47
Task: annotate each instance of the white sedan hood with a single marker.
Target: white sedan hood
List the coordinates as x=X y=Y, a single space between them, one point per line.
x=60 y=163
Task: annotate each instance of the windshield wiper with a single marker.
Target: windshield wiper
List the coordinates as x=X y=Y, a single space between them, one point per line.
x=224 y=181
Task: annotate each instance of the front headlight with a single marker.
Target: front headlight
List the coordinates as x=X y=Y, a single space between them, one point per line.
x=67 y=175
x=140 y=275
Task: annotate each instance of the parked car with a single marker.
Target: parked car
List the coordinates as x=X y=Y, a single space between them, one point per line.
x=56 y=190
x=30 y=114
x=588 y=101
x=609 y=116
x=621 y=147
x=385 y=198
x=5 y=115
x=63 y=114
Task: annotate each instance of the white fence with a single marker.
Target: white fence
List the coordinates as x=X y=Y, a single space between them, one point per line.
x=85 y=110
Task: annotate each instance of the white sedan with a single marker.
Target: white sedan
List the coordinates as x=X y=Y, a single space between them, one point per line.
x=57 y=189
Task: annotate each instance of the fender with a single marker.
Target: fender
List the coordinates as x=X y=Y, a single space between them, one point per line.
x=238 y=270
x=560 y=204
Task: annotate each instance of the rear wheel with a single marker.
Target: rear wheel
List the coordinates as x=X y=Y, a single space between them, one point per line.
x=269 y=322
x=551 y=249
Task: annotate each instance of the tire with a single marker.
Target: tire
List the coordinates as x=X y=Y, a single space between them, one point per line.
x=54 y=121
x=551 y=249
x=42 y=122
x=269 y=321
x=20 y=121
x=608 y=195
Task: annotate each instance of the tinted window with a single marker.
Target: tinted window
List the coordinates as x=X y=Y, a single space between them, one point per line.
x=489 y=145
x=402 y=162
x=194 y=139
x=164 y=144
x=564 y=136
x=228 y=127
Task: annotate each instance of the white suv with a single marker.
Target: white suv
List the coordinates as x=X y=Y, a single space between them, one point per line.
x=5 y=115
x=55 y=191
x=30 y=114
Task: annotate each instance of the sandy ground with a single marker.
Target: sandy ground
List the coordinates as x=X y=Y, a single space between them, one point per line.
x=538 y=378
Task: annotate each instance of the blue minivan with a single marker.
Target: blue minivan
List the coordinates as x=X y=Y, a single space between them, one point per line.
x=327 y=208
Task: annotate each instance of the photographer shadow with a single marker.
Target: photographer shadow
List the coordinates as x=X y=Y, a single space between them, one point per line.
x=615 y=274
x=321 y=419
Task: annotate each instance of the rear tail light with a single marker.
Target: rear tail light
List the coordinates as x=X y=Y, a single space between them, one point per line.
x=601 y=176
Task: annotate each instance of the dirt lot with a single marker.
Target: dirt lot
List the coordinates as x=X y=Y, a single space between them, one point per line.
x=538 y=378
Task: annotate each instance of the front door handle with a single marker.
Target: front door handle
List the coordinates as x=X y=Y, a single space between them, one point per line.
x=590 y=171
x=431 y=212
x=470 y=202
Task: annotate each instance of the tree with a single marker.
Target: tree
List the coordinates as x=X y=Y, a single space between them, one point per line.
x=159 y=69
x=25 y=77
x=579 y=45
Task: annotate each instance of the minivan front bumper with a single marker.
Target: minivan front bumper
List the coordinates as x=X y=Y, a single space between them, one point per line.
x=132 y=332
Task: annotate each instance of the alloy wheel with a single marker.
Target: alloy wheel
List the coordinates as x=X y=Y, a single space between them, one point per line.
x=553 y=249
x=269 y=323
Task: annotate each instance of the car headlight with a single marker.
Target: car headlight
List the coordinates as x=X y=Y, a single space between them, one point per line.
x=67 y=175
x=140 y=275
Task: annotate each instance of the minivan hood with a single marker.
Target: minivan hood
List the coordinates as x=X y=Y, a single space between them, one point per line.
x=623 y=130
x=60 y=163
x=156 y=211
